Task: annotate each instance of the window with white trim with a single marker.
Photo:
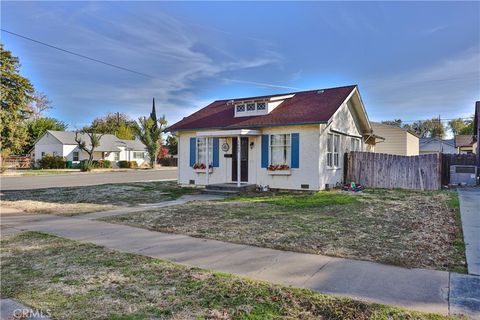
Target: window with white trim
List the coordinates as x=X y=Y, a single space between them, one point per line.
x=202 y=151
x=116 y=156
x=336 y=150
x=138 y=155
x=333 y=150
x=250 y=106
x=43 y=154
x=280 y=145
x=240 y=108
x=355 y=144
x=75 y=156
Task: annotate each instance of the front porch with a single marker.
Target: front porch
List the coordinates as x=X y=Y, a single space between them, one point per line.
x=236 y=162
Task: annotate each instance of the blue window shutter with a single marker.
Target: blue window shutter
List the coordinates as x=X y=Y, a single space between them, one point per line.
x=264 y=150
x=295 y=150
x=216 y=160
x=193 y=149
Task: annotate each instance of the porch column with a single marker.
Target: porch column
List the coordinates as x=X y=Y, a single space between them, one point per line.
x=238 y=161
x=207 y=162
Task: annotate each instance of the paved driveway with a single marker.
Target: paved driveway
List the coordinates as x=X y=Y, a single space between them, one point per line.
x=470 y=211
x=85 y=179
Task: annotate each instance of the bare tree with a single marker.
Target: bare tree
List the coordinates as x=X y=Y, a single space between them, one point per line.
x=40 y=104
x=93 y=143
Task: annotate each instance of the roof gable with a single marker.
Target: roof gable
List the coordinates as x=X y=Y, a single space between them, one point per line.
x=305 y=107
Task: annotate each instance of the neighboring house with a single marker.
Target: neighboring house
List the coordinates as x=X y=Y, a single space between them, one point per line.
x=62 y=143
x=399 y=141
x=287 y=141
x=476 y=129
x=436 y=145
x=466 y=143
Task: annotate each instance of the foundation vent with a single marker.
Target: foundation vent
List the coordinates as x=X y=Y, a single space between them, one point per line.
x=305 y=186
x=191 y=182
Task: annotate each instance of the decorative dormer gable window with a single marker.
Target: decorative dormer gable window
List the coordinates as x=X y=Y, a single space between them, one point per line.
x=257 y=107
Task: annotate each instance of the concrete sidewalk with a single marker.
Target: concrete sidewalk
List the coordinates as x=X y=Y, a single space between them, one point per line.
x=470 y=213
x=418 y=289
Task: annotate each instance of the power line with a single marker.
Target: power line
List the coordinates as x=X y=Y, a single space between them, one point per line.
x=78 y=54
x=131 y=70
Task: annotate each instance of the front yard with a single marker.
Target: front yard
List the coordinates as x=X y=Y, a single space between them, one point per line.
x=405 y=228
x=82 y=281
x=78 y=200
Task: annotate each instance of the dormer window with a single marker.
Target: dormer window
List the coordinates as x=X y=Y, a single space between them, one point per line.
x=241 y=108
x=250 y=106
x=261 y=106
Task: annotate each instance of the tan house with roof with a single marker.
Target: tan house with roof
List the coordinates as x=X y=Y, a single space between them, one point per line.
x=399 y=141
x=466 y=143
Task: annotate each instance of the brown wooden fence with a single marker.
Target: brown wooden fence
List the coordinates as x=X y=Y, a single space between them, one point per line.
x=379 y=170
x=17 y=162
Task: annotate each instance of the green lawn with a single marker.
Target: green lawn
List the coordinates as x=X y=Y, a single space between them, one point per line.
x=405 y=228
x=83 y=281
x=77 y=200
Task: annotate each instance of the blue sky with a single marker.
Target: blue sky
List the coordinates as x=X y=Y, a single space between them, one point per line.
x=411 y=60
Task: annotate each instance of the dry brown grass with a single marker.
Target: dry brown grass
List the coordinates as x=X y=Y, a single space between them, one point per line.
x=78 y=200
x=82 y=281
x=405 y=228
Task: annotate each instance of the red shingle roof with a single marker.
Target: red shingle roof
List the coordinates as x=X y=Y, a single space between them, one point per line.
x=314 y=106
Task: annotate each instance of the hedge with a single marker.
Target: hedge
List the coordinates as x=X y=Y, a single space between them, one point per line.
x=127 y=164
x=52 y=162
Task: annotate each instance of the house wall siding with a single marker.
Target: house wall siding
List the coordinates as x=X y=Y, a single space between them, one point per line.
x=397 y=141
x=413 y=145
x=342 y=121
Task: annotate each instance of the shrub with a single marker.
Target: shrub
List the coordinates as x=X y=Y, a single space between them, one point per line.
x=84 y=166
x=103 y=164
x=127 y=164
x=52 y=162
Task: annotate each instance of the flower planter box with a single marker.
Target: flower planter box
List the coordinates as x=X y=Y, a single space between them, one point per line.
x=279 y=172
x=203 y=170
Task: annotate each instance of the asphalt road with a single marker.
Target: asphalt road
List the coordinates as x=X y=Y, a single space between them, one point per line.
x=84 y=179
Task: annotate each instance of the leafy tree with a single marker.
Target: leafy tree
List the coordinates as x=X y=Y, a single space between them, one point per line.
x=36 y=127
x=468 y=128
x=115 y=123
x=172 y=144
x=16 y=94
x=126 y=132
x=456 y=125
x=395 y=123
x=90 y=146
x=149 y=131
x=432 y=128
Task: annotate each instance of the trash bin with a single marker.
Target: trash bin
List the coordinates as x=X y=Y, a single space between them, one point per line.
x=69 y=164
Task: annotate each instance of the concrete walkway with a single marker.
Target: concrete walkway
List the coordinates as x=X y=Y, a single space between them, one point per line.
x=417 y=289
x=470 y=212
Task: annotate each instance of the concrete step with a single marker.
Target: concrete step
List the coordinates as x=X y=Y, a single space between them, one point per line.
x=221 y=192
x=231 y=187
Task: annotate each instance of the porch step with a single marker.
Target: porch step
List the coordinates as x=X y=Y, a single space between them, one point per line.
x=221 y=192
x=231 y=187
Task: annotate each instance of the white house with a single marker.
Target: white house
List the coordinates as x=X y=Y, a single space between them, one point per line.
x=286 y=141
x=62 y=143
